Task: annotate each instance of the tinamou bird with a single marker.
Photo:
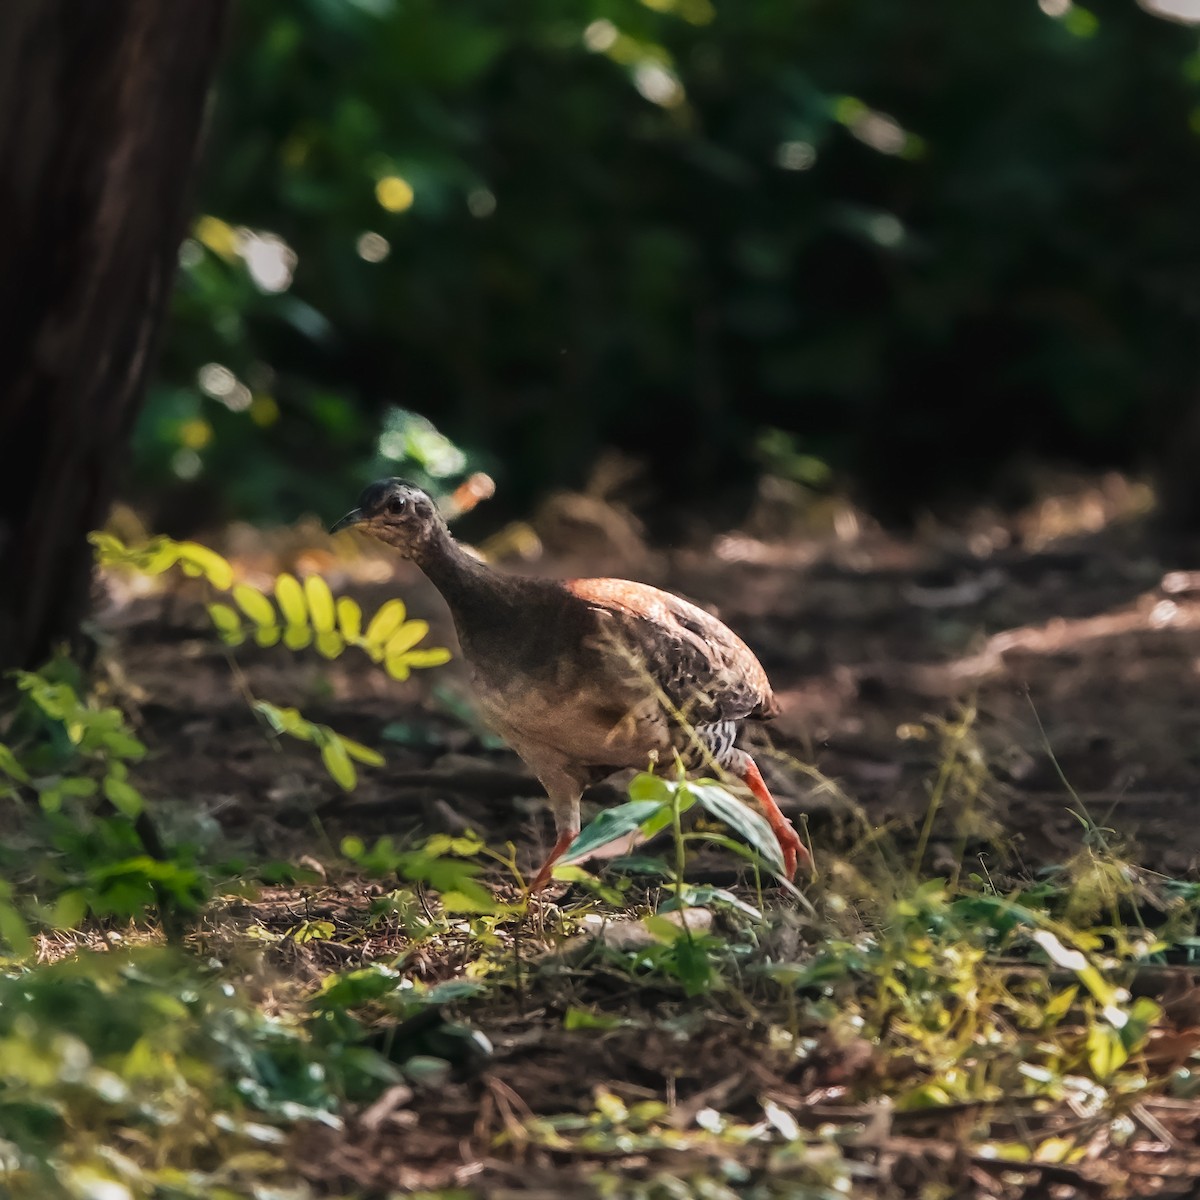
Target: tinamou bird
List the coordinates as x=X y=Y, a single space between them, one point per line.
x=587 y=677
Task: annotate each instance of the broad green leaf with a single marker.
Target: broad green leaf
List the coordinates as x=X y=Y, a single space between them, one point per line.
x=255 y=605
x=693 y=967
x=746 y=823
x=289 y=595
x=205 y=562
x=153 y=558
x=330 y=643
x=456 y=901
x=158 y=556
x=80 y=785
x=659 y=821
x=364 y=754
x=296 y=637
x=434 y=656
x=337 y=763
x=284 y=720
x=583 y=1018
x=349 y=617
x=464 y=846
x=120 y=743
x=453 y=879
x=451 y=991
x=107 y=546
x=349 y=989
x=228 y=623
x=14 y=930
x=611 y=824
x=683 y=797
x=69 y=909
x=1058 y=1006
x=125 y=798
x=1106 y=1052
x=1144 y=1014
x=663 y=930
x=385 y=622
x=706 y=896
x=314 y=931
x=320 y=603
x=407 y=636
x=645 y=786
x=10 y=766
x=642 y=864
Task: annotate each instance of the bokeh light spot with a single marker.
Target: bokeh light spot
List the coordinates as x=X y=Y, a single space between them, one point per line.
x=600 y=35
x=657 y=84
x=215 y=380
x=795 y=156
x=196 y=433
x=1186 y=12
x=269 y=259
x=186 y=463
x=394 y=194
x=191 y=253
x=372 y=247
x=218 y=236
x=264 y=410
x=481 y=202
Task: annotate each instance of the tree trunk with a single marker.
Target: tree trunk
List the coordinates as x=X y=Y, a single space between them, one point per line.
x=101 y=107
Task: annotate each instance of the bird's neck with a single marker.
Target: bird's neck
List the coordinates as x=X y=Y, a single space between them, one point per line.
x=472 y=589
x=500 y=619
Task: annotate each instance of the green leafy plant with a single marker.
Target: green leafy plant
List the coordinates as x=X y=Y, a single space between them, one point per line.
x=656 y=804
x=441 y=862
x=298 y=615
x=139 y=1073
x=101 y=747
x=338 y=753
x=95 y=849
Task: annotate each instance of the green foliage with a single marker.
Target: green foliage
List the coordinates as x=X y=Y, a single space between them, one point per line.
x=80 y=849
x=657 y=803
x=760 y=212
x=138 y=1074
x=98 y=739
x=300 y=615
x=338 y=753
x=160 y=554
x=441 y=862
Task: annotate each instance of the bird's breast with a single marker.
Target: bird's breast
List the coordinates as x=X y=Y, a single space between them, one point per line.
x=583 y=723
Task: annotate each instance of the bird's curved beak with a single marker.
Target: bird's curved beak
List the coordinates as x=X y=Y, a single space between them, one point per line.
x=353 y=517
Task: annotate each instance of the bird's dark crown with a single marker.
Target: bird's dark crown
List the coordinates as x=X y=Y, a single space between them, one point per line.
x=395 y=511
x=390 y=496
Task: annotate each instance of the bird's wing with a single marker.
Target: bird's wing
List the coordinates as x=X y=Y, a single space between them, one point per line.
x=701 y=665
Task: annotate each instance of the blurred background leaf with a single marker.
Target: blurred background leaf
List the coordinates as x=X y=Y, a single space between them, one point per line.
x=923 y=241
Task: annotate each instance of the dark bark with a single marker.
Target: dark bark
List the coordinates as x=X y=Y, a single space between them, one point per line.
x=101 y=107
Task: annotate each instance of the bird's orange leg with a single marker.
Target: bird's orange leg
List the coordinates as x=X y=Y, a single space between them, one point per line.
x=793 y=849
x=560 y=848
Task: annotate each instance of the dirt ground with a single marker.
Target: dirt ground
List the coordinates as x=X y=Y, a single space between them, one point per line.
x=1072 y=632
x=1080 y=653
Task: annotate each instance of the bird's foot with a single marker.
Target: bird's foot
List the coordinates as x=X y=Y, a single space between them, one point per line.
x=793 y=849
x=547 y=868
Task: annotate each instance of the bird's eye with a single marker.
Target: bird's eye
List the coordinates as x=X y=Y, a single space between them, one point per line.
x=396 y=505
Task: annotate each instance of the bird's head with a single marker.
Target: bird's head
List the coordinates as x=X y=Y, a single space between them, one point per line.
x=395 y=512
